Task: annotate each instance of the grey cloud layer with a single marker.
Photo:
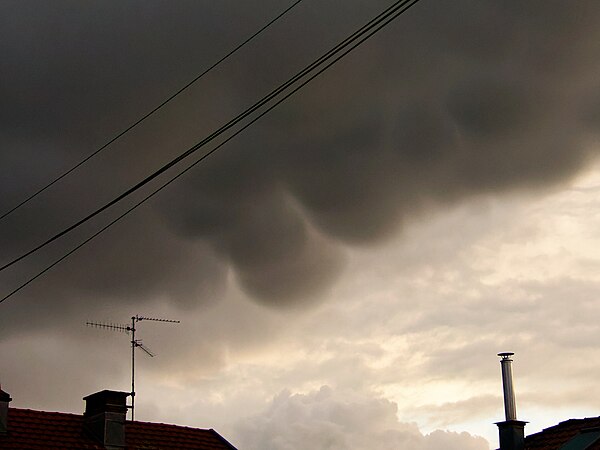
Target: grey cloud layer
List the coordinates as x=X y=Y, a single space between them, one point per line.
x=454 y=100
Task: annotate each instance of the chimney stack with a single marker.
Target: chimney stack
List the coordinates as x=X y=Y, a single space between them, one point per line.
x=4 y=401
x=512 y=431
x=104 y=418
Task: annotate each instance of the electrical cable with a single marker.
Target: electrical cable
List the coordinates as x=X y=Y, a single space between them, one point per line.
x=212 y=136
x=148 y=114
x=399 y=8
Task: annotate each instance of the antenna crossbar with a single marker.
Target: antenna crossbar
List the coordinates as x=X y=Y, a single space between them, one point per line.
x=138 y=344
x=110 y=326
x=138 y=318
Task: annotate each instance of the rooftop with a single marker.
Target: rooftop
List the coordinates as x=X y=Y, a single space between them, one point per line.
x=573 y=434
x=29 y=430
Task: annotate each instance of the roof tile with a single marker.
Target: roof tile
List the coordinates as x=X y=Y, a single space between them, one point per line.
x=34 y=430
x=553 y=438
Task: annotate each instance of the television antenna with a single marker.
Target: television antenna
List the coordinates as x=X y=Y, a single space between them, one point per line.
x=135 y=343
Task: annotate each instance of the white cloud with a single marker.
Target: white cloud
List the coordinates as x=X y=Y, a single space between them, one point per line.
x=327 y=419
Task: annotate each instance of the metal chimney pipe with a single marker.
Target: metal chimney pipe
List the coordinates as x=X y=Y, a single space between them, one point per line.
x=510 y=405
x=512 y=431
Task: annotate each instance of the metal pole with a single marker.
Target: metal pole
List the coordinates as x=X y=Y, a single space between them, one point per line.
x=132 y=366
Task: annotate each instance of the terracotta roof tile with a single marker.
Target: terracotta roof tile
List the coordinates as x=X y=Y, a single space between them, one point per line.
x=34 y=430
x=553 y=438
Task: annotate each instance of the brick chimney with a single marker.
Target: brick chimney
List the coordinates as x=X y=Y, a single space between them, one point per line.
x=512 y=431
x=104 y=418
x=4 y=401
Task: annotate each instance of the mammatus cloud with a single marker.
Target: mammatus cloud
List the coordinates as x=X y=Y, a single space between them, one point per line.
x=433 y=111
x=414 y=141
x=326 y=419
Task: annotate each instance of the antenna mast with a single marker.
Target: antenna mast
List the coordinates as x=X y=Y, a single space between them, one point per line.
x=135 y=343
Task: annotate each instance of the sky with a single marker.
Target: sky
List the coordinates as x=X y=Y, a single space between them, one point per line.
x=347 y=268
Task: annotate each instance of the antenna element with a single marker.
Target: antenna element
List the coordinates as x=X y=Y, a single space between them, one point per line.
x=135 y=343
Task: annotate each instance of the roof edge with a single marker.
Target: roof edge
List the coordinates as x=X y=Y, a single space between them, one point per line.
x=225 y=441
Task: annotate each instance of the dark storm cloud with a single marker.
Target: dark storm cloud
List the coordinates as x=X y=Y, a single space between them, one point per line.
x=454 y=100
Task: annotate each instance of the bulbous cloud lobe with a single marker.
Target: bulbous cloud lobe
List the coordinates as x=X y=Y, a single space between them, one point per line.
x=453 y=100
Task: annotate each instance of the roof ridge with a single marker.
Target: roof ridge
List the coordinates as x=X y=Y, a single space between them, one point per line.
x=129 y=422
x=43 y=411
x=566 y=422
x=576 y=420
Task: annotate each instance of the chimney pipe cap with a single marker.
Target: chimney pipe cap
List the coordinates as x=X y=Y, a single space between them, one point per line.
x=505 y=355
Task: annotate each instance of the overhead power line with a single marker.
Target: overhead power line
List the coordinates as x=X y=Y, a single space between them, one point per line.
x=149 y=113
x=349 y=44
x=209 y=138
